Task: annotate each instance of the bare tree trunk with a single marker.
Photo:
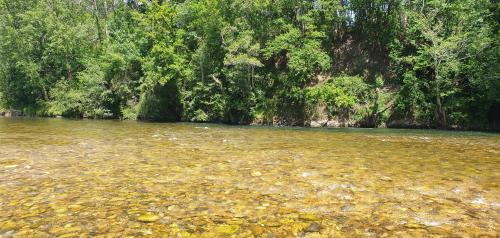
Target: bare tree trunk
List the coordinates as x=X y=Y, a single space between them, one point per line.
x=98 y=24
x=45 y=94
x=253 y=72
x=106 y=32
x=201 y=69
x=375 y=111
x=249 y=79
x=69 y=73
x=440 y=112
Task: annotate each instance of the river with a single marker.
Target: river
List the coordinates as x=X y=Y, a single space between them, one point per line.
x=92 y=178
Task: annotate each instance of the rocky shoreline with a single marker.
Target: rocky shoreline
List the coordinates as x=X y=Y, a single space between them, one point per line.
x=330 y=123
x=11 y=113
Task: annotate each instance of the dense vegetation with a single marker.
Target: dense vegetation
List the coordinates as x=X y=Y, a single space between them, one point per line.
x=432 y=63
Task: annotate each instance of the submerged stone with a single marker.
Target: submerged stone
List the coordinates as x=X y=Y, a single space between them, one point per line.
x=308 y=217
x=227 y=229
x=385 y=178
x=70 y=235
x=336 y=189
x=148 y=218
x=313 y=227
x=256 y=174
x=8 y=225
x=64 y=230
x=256 y=229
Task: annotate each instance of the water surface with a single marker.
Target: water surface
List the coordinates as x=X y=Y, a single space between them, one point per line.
x=90 y=178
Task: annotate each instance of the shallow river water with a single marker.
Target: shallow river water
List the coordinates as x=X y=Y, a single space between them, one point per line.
x=90 y=178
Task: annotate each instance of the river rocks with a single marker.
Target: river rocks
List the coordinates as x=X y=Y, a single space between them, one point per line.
x=69 y=235
x=250 y=189
x=173 y=207
x=313 y=227
x=8 y=234
x=8 y=225
x=413 y=226
x=389 y=227
x=307 y=228
x=148 y=218
x=308 y=217
x=256 y=229
x=332 y=122
x=272 y=223
x=64 y=230
x=75 y=207
x=386 y=179
x=317 y=123
x=227 y=229
x=102 y=227
x=11 y=113
x=405 y=123
x=256 y=174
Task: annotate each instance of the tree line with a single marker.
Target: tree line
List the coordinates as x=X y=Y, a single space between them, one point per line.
x=401 y=63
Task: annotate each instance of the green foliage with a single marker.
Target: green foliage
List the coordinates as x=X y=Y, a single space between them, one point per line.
x=129 y=113
x=202 y=92
x=42 y=43
x=427 y=63
x=87 y=96
x=340 y=94
x=164 y=60
x=303 y=53
x=160 y=104
x=240 y=64
x=437 y=61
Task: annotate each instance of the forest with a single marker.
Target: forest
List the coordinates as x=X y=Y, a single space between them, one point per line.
x=339 y=63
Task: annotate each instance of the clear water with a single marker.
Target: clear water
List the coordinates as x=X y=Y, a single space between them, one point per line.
x=90 y=178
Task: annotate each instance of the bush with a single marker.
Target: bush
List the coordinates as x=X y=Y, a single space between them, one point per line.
x=340 y=95
x=162 y=103
x=202 y=101
x=129 y=113
x=87 y=96
x=2 y=103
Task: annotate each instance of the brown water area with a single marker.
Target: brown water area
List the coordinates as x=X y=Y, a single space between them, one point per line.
x=91 y=178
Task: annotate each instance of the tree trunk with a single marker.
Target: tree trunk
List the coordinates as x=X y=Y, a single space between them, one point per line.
x=45 y=93
x=106 y=33
x=375 y=111
x=202 y=70
x=440 y=112
x=69 y=73
x=97 y=23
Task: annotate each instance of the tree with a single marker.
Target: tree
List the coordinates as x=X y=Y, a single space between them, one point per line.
x=240 y=63
x=444 y=38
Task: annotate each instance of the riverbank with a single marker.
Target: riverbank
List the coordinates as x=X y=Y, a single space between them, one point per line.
x=11 y=113
x=280 y=123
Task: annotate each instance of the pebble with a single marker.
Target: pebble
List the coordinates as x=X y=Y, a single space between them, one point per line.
x=256 y=229
x=148 y=218
x=227 y=229
x=385 y=178
x=308 y=217
x=389 y=227
x=313 y=227
x=256 y=174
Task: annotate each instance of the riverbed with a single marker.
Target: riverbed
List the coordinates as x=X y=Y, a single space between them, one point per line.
x=92 y=178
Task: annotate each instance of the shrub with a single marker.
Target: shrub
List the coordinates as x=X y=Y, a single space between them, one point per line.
x=340 y=95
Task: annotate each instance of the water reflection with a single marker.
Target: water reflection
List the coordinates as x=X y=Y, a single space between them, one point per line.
x=116 y=179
